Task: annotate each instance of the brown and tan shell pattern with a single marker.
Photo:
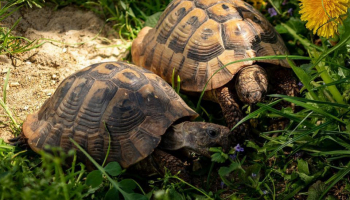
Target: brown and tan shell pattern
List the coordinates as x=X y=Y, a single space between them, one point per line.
x=134 y=104
x=197 y=37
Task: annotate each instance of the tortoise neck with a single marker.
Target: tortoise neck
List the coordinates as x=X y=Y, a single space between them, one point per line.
x=174 y=137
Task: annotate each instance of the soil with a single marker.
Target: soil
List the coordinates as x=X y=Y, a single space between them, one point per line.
x=73 y=39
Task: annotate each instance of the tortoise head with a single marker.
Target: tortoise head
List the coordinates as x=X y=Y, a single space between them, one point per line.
x=196 y=137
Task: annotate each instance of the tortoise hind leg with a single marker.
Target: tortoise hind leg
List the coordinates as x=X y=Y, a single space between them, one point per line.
x=20 y=141
x=232 y=113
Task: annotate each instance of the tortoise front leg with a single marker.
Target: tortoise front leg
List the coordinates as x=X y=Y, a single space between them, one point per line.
x=172 y=163
x=156 y=163
x=232 y=113
x=251 y=84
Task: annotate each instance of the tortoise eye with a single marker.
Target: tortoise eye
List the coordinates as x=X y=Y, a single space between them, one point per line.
x=212 y=133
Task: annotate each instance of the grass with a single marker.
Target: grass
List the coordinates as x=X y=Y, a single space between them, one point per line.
x=308 y=159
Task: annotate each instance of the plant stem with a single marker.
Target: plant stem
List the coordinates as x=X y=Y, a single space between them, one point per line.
x=307 y=44
x=328 y=79
x=325 y=92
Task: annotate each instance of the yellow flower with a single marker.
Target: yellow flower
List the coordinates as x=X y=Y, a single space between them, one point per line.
x=323 y=21
x=258 y=3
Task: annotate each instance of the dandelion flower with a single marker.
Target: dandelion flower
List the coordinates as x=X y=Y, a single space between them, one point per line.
x=258 y=4
x=323 y=20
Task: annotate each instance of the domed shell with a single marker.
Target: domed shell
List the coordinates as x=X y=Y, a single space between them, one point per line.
x=131 y=105
x=198 y=37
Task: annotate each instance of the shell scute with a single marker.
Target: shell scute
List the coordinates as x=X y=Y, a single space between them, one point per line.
x=206 y=43
x=130 y=79
x=174 y=17
x=223 y=12
x=185 y=28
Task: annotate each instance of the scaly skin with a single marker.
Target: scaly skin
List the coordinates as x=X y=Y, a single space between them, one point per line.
x=232 y=113
x=251 y=84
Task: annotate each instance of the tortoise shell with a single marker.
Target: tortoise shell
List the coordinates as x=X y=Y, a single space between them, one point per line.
x=131 y=105
x=198 y=37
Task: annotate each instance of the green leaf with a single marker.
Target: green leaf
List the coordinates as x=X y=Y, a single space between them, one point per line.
x=315 y=190
x=297 y=25
x=134 y=196
x=305 y=178
x=171 y=194
x=94 y=178
x=223 y=171
x=102 y=170
x=281 y=29
x=152 y=20
x=218 y=157
x=303 y=166
x=112 y=194
x=304 y=77
x=113 y=168
x=128 y=185
x=123 y=5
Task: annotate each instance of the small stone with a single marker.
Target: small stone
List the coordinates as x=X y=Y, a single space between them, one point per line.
x=54 y=76
x=64 y=50
x=49 y=94
x=14 y=84
x=26 y=107
x=28 y=63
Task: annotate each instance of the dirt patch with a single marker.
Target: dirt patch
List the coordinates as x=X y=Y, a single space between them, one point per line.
x=74 y=39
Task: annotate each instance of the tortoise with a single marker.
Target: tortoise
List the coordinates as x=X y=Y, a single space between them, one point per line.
x=195 y=38
x=138 y=110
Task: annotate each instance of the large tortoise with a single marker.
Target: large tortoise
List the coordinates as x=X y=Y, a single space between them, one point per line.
x=198 y=37
x=134 y=107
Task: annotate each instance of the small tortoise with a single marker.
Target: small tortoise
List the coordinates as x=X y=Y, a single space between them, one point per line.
x=198 y=37
x=135 y=107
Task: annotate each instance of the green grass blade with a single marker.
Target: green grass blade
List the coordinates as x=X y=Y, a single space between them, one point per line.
x=337 y=152
x=5 y=85
x=337 y=177
x=291 y=117
x=340 y=81
x=313 y=108
x=304 y=77
x=109 y=145
x=102 y=170
x=178 y=84
x=285 y=97
x=316 y=128
x=255 y=113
